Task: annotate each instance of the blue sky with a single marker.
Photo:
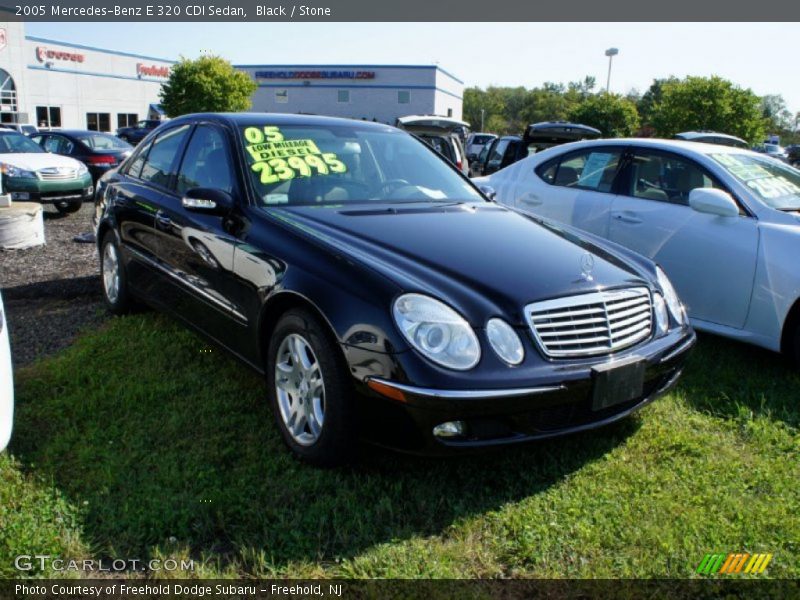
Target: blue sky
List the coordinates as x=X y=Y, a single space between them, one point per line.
x=754 y=55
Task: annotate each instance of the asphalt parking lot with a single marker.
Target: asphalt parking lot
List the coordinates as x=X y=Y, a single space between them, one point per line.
x=51 y=292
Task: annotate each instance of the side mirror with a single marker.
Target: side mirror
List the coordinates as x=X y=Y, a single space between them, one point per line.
x=488 y=191
x=713 y=202
x=207 y=200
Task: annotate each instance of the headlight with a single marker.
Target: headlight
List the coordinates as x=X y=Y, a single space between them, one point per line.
x=671 y=297
x=505 y=341
x=12 y=171
x=82 y=170
x=662 y=318
x=437 y=331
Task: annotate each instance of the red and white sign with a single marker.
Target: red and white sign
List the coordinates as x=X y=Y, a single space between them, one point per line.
x=43 y=54
x=151 y=70
x=3 y=38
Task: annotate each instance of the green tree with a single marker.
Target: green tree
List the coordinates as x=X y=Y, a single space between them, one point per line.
x=779 y=119
x=206 y=84
x=651 y=97
x=614 y=115
x=490 y=101
x=708 y=103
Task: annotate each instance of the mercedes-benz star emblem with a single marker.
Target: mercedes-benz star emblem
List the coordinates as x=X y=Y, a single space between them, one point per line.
x=587 y=265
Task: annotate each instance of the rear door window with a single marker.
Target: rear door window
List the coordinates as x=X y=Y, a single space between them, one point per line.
x=594 y=169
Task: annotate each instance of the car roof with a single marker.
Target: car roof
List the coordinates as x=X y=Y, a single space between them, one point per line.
x=69 y=132
x=245 y=119
x=660 y=144
x=689 y=135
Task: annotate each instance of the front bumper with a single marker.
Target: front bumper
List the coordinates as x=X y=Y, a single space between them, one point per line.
x=403 y=416
x=80 y=189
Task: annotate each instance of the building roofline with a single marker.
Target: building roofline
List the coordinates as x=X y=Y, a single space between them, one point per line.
x=42 y=40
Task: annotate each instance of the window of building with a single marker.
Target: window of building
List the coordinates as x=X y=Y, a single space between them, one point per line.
x=127 y=119
x=449 y=112
x=343 y=96
x=98 y=121
x=48 y=116
x=281 y=96
x=403 y=97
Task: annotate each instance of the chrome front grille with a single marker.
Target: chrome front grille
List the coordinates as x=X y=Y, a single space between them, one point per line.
x=57 y=174
x=591 y=324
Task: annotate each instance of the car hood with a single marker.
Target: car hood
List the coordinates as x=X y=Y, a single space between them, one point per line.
x=33 y=161
x=482 y=258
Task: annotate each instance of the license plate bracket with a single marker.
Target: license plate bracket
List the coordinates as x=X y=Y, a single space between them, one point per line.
x=617 y=382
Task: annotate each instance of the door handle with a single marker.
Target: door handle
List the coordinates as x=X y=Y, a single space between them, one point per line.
x=627 y=217
x=163 y=220
x=530 y=199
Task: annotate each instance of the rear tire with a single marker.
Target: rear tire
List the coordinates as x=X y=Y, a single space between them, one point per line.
x=113 y=276
x=310 y=391
x=66 y=208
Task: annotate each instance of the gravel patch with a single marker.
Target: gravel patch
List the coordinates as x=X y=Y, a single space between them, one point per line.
x=52 y=292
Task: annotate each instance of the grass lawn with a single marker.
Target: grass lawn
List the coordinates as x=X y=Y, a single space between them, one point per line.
x=139 y=442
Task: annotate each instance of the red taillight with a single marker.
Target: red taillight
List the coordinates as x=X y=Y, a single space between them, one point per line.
x=458 y=164
x=102 y=160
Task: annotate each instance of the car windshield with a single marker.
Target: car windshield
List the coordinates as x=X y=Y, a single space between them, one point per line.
x=773 y=148
x=103 y=141
x=339 y=164
x=772 y=183
x=12 y=143
x=481 y=139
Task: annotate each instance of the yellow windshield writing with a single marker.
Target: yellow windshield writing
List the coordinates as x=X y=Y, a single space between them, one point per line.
x=278 y=159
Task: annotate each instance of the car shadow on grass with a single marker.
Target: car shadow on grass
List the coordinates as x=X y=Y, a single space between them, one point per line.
x=727 y=378
x=163 y=440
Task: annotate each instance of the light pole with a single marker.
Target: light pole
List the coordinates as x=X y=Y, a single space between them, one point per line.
x=610 y=53
x=482 y=111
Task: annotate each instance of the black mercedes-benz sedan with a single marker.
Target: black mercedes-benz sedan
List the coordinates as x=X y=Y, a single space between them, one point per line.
x=383 y=296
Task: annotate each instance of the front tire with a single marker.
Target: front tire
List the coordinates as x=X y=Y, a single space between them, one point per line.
x=68 y=207
x=310 y=391
x=113 y=276
x=794 y=348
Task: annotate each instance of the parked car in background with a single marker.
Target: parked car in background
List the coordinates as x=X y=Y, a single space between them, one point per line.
x=134 y=135
x=773 y=151
x=376 y=288
x=724 y=223
x=793 y=154
x=712 y=137
x=475 y=143
x=476 y=167
x=98 y=151
x=442 y=134
x=509 y=149
x=22 y=128
x=31 y=174
x=6 y=382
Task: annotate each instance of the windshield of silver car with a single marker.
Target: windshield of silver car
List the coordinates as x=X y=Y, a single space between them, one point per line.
x=773 y=183
x=301 y=165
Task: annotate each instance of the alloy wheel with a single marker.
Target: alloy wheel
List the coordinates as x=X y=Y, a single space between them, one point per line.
x=111 y=272
x=300 y=389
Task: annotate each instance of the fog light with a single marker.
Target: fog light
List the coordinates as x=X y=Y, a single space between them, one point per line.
x=449 y=429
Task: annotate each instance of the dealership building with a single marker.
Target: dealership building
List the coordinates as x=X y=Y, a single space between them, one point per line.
x=52 y=83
